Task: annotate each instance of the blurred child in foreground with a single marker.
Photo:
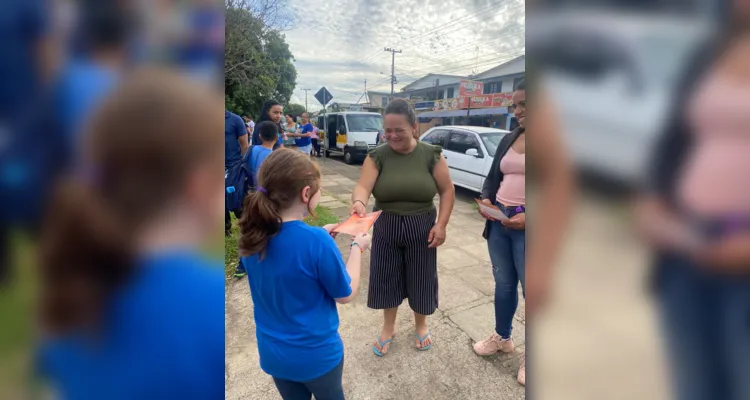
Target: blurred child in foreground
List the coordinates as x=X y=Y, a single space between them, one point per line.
x=130 y=308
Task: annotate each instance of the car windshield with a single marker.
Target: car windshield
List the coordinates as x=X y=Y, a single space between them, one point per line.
x=491 y=141
x=364 y=122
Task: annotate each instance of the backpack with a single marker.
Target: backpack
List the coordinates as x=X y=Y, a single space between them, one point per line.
x=237 y=183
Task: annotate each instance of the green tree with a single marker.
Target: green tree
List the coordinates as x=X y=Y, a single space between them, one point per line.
x=294 y=109
x=257 y=60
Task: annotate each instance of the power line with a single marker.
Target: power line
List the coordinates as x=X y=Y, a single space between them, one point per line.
x=393 y=66
x=469 y=63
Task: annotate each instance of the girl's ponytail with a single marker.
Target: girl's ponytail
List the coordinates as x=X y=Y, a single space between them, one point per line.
x=260 y=221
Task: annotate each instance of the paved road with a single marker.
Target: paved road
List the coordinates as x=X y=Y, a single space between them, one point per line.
x=450 y=370
x=597 y=341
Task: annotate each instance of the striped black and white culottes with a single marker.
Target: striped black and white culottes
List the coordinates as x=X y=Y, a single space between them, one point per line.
x=401 y=264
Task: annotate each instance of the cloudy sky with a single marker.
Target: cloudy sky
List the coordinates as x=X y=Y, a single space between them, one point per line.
x=340 y=43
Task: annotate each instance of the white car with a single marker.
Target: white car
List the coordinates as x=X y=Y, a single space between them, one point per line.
x=469 y=151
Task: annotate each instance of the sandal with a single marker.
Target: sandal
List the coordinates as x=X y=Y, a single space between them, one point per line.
x=421 y=341
x=382 y=345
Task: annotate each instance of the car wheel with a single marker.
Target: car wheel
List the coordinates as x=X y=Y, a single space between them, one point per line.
x=348 y=158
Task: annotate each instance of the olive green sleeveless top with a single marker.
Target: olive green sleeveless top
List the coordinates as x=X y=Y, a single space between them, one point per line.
x=405 y=185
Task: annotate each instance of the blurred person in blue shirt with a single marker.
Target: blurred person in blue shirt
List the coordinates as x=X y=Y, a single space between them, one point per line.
x=268 y=132
x=296 y=276
x=695 y=214
x=303 y=139
x=235 y=146
x=130 y=307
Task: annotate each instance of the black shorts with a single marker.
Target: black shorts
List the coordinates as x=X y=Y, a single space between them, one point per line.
x=401 y=264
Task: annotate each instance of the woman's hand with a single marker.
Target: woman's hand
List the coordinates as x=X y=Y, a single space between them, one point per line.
x=517 y=222
x=329 y=228
x=485 y=216
x=358 y=208
x=363 y=240
x=437 y=236
x=730 y=254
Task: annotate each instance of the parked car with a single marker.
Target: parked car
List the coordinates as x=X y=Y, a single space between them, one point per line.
x=469 y=151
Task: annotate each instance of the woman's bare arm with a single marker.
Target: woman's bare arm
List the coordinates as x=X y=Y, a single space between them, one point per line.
x=446 y=190
x=366 y=182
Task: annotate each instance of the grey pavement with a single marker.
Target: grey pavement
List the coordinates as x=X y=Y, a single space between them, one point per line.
x=449 y=370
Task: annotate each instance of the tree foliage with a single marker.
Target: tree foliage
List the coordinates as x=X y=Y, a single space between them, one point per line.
x=294 y=109
x=257 y=60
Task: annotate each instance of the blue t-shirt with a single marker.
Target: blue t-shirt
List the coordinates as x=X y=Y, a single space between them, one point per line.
x=305 y=141
x=234 y=129
x=255 y=159
x=163 y=337
x=83 y=86
x=293 y=291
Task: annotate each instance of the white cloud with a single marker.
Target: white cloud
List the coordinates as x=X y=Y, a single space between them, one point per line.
x=339 y=43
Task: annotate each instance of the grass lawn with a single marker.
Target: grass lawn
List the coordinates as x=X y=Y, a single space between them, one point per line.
x=325 y=217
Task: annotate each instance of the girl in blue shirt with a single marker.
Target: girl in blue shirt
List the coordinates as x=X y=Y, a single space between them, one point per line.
x=296 y=277
x=130 y=308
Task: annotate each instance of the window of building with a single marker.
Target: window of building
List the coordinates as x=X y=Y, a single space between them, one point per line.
x=492 y=87
x=384 y=101
x=450 y=93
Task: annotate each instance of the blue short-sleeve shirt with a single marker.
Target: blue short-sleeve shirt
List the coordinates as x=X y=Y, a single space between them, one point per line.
x=234 y=129
x=293 y=290
x=163 y=337
x=305 y=141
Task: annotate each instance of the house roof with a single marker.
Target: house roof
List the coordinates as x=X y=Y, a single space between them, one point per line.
x=428 y=81
x=513 y=67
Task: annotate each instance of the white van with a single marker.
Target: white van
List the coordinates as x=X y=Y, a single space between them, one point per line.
x=350 y=134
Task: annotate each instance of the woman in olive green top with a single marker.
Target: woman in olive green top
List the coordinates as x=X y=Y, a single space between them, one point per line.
x=404 y=175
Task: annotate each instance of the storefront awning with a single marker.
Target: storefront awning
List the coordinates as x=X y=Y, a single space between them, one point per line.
x=462 y=113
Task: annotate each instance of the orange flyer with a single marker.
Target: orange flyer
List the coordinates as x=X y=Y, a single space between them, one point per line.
x=356 y=225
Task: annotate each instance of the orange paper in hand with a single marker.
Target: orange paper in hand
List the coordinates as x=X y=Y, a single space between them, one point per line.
x=356 y=225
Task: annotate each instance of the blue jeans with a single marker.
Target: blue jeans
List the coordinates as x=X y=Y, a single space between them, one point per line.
x=508 y=256
x=327 y=387
x=706 y=323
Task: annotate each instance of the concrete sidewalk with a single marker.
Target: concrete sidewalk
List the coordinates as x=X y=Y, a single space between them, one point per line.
x=450 y=370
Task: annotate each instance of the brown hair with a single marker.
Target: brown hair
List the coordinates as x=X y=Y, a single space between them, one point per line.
x=403 y=107
x=143 y=144
x=281 y=178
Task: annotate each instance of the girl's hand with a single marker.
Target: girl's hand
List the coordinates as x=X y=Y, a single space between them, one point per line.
x=517 y=222
x=363 y=240
x=329 y=228
x=437 y=236
x=358 y=208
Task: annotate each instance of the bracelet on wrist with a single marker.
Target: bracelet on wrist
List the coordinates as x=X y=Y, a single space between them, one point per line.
x=359 y=201
x=361 y=249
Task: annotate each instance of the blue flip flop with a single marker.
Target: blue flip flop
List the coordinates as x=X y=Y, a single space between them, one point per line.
x=421 y=341
x=382 y=344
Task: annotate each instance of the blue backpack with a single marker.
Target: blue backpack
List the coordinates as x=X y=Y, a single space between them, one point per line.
x=237 y=182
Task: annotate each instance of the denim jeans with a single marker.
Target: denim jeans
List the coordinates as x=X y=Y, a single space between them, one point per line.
x=706 y=324
x=327 y=387
x=507 y=249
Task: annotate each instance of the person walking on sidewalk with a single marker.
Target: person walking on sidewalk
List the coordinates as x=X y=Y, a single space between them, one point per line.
x=297 y=277
x=315 y=138
x=404 y=176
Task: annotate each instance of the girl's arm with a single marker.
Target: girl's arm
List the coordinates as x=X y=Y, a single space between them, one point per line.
x=353 y=268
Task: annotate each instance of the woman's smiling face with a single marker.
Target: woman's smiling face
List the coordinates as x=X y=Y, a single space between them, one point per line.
x=398 y=132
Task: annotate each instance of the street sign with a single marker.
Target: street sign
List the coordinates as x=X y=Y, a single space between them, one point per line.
x=323 y=96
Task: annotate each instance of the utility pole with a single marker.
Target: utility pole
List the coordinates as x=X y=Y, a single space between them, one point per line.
x=364 y=94
x=306 y=90
x=393 y=67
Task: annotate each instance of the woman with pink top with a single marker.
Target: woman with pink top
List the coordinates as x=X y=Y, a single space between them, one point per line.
x=505 y=187
x=315 y=137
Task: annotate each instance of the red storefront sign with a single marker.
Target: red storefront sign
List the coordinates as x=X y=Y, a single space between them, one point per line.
x=470 y=88
x=502 y=99
x=483 y=101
